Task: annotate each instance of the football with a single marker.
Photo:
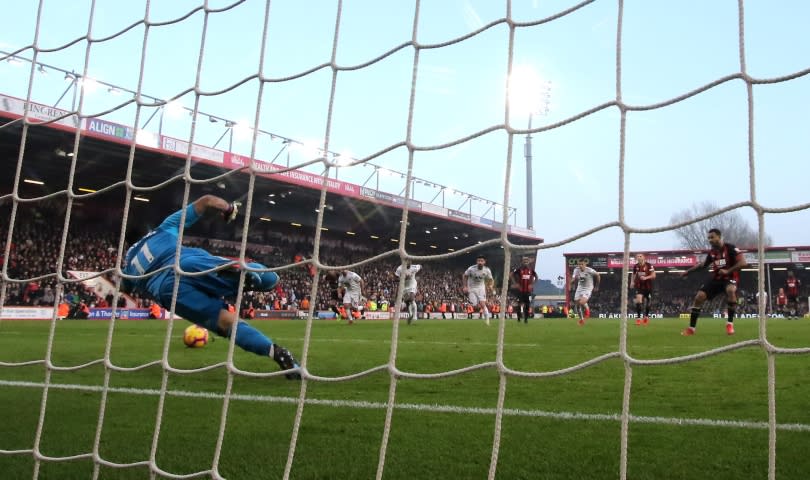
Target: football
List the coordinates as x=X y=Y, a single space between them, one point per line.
x=195 y=336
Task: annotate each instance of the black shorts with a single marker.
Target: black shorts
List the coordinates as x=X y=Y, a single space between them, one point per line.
x=715 y=287
x=645 y=294
x=792 y=298
x=519 y=296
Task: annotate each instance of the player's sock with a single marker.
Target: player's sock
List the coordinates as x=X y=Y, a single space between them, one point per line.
x=638 y=310
x=412 y=308
x=732 y=308
x=486 y=313
x=647 y=310
x=693 y=317
x=252 y=340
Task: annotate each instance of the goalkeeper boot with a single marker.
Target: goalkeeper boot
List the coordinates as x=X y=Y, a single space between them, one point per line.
x=286 y=361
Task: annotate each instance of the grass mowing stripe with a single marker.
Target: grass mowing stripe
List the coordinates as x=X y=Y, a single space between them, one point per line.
x=706 y=422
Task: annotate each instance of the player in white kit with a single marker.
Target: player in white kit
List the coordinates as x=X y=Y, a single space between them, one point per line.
x=409 y=289
x=477 y=283
x=352 y=286
x=587 y=281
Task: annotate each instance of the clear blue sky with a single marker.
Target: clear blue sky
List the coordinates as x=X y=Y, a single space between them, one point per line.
x=693 y=151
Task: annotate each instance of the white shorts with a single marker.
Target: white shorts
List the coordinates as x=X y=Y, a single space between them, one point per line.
x=352 y=298
x=477 y=295
x=583 y=293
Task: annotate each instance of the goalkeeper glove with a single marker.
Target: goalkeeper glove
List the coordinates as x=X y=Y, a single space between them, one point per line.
x=230 y=214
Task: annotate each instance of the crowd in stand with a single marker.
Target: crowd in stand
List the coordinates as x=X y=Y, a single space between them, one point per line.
x=37 y=238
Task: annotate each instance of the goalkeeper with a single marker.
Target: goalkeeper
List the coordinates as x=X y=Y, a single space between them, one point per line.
x=199 y=298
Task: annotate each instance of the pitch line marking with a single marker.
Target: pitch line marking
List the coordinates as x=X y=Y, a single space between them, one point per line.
x=431 y=408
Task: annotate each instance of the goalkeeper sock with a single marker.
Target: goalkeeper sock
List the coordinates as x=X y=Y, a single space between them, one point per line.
x=252 y=340
x=486 y=313
x=693 y=318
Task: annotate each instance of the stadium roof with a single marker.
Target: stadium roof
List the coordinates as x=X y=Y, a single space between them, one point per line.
x=286 y=201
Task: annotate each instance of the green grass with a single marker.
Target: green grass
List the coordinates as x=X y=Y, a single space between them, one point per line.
x=342 y=441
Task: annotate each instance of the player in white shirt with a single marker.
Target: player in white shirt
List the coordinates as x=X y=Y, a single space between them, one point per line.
x=477 y=283
x=352 y=287
x=586 y=280
x=409 y=288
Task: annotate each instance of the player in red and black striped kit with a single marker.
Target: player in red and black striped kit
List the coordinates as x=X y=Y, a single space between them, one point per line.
x=725 y=261
x=523 y=279
x=792 y=286
x=643 y=276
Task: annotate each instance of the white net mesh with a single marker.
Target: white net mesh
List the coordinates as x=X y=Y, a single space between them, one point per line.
x=195 y=26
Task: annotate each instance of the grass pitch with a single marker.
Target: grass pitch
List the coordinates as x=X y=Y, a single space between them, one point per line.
x=562 y=427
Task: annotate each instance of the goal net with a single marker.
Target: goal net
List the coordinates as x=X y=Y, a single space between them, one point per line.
x=402 y=105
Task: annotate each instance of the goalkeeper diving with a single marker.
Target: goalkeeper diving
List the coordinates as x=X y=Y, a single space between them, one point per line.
x=200 y=299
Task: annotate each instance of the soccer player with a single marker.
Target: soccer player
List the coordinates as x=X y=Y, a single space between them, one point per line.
x=199 y=298
x=587 y=281
x=409 y=289
x=352 y=286
x=725 y=261
x=477 y=282
x=523 y=278
x=792 y=286
x=781 y=302
x=643 y=276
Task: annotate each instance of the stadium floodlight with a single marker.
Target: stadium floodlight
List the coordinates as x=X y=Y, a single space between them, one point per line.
x=528 y=94
x=33 y=182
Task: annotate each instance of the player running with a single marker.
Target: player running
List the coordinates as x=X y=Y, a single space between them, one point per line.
x=409 y=288
x=477 y=282
x=781 y=302
x=523 y=277
x=587 y=282
x=199 y=298
x=642 y=280
x=725 y=261
x=352 y=286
